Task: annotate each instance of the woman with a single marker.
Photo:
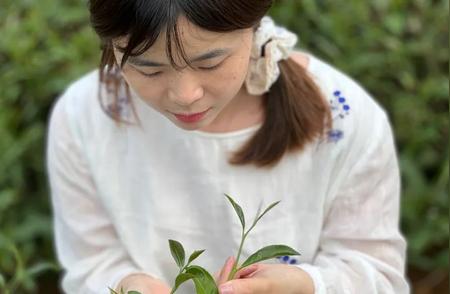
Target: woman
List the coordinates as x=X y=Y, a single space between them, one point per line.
x=194 y=99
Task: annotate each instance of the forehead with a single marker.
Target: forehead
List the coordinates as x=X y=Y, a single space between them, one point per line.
x=194 y=39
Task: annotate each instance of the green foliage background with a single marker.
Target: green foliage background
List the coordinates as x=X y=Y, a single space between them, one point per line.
x=398 y=49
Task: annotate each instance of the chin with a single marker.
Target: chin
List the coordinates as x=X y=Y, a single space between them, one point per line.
x=188 y=127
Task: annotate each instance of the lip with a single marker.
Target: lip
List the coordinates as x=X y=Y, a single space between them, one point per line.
x=191 y=118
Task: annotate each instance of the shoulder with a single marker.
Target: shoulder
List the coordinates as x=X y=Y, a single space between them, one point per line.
x=79 y=96
x=79 y=109
x=82 y=94
x=357 y=117
x=335 y=83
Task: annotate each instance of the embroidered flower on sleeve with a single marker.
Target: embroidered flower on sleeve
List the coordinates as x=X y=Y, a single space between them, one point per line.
x=339 y=107
x=287 y=260
x=339 y=110
x=335 y=135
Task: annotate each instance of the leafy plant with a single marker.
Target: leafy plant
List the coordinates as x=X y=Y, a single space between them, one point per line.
x=203 y=281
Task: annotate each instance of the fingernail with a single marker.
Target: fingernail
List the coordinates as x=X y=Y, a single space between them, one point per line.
x=226 y=289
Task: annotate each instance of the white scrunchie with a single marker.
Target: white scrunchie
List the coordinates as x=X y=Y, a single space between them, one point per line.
x=277 y=43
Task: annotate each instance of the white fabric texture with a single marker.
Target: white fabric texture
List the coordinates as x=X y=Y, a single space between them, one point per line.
x=120 y=192
x=271 y=44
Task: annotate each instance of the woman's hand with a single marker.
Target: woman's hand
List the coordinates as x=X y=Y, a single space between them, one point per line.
x=265 y=279
x=143 y=283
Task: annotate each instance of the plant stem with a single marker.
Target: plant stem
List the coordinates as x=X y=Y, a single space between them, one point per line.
x=244 y=236
x=235 y=266
x=180 y=272
x=184 y=268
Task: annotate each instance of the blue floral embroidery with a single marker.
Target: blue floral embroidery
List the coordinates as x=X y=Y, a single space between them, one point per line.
x=335 y=135
x=339 y=109
x=339 y=106
x=287 y=260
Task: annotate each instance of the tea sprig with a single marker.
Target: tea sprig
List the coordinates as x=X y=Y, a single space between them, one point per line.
x=203 y=281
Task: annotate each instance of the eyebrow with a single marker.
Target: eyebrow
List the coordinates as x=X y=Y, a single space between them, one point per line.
x=139 y=61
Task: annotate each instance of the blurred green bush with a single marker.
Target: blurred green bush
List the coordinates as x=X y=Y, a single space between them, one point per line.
x=397 y=49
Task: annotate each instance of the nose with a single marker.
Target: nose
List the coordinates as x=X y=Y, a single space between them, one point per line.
x=185 y=89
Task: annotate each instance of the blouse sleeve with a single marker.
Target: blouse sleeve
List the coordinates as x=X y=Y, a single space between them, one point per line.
x=361 y=247
x=87 y=245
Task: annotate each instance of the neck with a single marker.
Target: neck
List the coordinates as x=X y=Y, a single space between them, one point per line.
x=242 y=112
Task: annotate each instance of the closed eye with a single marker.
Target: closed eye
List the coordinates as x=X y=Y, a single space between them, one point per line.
x=154 y=74
x=207 y=68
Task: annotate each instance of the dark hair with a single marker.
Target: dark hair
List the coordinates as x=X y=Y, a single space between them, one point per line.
x=295 y=111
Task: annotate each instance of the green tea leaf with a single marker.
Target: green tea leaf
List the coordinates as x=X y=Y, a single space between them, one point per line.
x=133 y=292
x=264 y=212
x=180 y=279
x=194 y=255
x=111 y=291
x=269 y=252
x=204 y=282
x=238 y=210
x=177 y=251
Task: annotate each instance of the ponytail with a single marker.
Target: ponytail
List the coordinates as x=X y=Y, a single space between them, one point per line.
x=296 y=113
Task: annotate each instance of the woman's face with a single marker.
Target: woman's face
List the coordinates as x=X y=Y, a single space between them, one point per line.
x=193 y=98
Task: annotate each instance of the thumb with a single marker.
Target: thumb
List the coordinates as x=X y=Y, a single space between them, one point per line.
x=225 y=272
x=244 y=286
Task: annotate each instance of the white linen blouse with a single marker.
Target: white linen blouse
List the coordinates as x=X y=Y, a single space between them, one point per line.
x=120 y=192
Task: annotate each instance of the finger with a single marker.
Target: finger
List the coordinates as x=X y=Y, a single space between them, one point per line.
x=225 y=272
x=217 y=275
x=220 y=274
x=245 y=286
x=247 y=271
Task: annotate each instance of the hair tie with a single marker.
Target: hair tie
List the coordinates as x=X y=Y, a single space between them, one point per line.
x=271 y=44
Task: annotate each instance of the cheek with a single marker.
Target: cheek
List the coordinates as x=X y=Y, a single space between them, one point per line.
x=233 y=75
x=225 y=85
x=241 y=68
